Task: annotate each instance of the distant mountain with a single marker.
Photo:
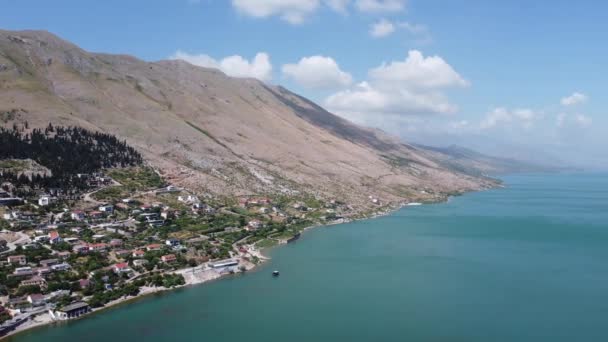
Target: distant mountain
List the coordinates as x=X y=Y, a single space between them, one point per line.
x=210 y=132
x=477 y=164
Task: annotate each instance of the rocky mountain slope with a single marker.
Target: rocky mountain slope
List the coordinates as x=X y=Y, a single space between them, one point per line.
x=210 y=132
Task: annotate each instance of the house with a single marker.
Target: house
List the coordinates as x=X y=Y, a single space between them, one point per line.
x=43 y=271
x=84 y=283
x=36 y=299
x=122 y=253
x=138 y=253
x=45 y=200
x=139 y=262
x=243 y=202
x=167 y=214
x=77 y=215
x=172 y=188
x=34 y=281
x=253 y=225
x=96 y=215
x=122 y=267
x=263 y=210
x=61 y=267
x=127 y=200
x=188 y=199
x=54 y=237
x=154 y=247
x=169 y=258
x=108 y=208
x=76 y=230
x=81 y=249
x=63 y=255
x=41 y=239
x=74 y=310
x=172 y=242
x=71 y=240
x=48 y=262
x=116 y=243
x=17 y=260
x=98 y=247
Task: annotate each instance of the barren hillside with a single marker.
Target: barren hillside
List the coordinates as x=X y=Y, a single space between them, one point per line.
x=210 y=132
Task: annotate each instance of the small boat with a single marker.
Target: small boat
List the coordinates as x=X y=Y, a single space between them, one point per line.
x=275 y=273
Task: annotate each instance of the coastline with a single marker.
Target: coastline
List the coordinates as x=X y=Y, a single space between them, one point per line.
x=204 y=274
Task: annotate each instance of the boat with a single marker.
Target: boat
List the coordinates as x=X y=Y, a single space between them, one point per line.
x=275 y=273
x=414 y=204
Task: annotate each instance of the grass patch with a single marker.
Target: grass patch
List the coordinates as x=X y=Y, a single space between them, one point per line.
x=112 y=193
x=137 y=178
x=266 y=243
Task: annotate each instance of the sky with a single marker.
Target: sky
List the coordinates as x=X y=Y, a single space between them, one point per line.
x=516 y=78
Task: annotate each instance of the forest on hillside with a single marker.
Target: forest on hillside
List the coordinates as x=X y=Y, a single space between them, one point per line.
x=65 y=151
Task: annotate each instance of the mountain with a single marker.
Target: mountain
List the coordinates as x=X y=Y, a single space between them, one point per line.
x=474 y=163
x=212 y=133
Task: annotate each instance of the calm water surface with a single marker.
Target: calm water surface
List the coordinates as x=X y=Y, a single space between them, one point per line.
x=525 y=263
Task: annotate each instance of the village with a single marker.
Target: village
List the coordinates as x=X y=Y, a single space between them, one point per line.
x=65 y=255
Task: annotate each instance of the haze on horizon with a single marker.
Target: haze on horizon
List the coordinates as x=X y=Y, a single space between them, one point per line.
x=516 y=79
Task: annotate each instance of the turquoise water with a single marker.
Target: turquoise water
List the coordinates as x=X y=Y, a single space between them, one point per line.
x=525 y=263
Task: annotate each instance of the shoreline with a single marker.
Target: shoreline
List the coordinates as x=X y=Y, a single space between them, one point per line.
x=197 y=278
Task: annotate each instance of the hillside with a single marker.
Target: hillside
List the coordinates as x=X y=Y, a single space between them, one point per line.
x=475 y=163
x=212 y=133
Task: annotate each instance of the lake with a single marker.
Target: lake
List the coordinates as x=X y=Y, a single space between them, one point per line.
x=524 y=263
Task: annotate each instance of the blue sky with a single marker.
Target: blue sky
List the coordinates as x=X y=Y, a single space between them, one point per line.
x=487 y=74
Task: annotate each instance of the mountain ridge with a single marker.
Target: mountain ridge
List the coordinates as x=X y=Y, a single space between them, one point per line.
x=212 y=133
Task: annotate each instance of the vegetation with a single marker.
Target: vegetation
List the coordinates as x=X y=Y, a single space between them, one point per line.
x=67 y=152
x=137 y=178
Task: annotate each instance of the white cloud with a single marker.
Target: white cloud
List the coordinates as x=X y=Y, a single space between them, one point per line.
x=420 y=32
x=292 y=11
x=399 y=89
x=419 y=72
x=583 y=120
x=502 y=116
x=338 y=5
x=317 y=72
x=378 y=101
x=564 y=120
x=235 y=66
x=382 y=28
x=380 y=5
x=575 y=98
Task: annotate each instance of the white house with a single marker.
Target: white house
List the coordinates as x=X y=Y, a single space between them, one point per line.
x=106 y=208
x=45 y=200
x=77 y=215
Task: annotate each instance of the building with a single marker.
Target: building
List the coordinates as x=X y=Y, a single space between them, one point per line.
x=45 y=200
x=169 y=258
x=74 y=310
x=81 y=249
x=139 y=262
x=48 y=262
x=17 y=260
x=36 y=299
x=116 y=242
x=96 y=215
x=122 y=267
x=138 y=253
x=172 y=242
x=224 y=263
x=253 y=225
x=106 y=208
x=154 y=247
x=77 y=215
x=98 y=247
x=34 y=281
x=63 y=255
x=61 y=267
x=54 y=237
